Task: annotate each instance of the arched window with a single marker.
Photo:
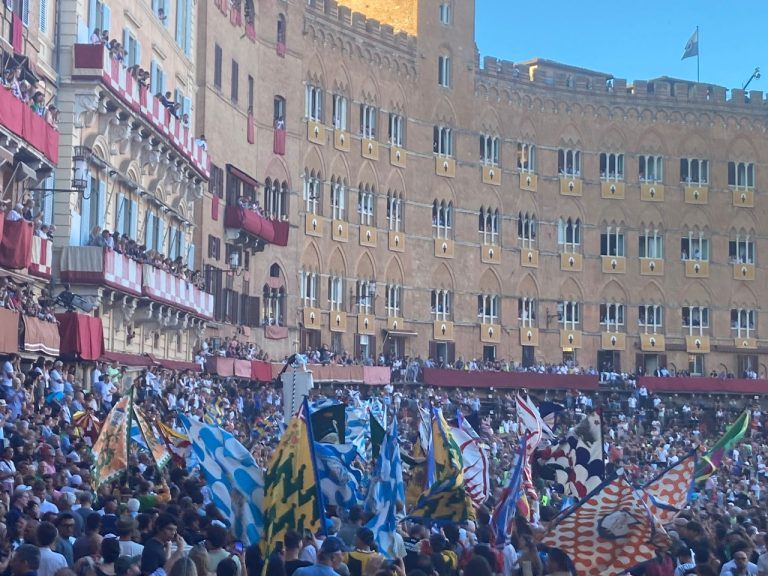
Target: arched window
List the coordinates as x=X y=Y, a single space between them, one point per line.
x=569 y=234
x=273 y=308
x=338 y=199
x=526 y=229
x=395 y=211
x=365 y=204
x=313 y=188
x=276 y=199
x=442 y=219
x=279 y=112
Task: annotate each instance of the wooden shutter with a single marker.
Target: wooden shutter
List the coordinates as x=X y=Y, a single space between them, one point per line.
x=451 y=352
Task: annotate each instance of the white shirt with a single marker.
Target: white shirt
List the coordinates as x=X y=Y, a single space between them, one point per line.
x=128 y=548
x=50 y=562
x=730 y=568
x=13 y=216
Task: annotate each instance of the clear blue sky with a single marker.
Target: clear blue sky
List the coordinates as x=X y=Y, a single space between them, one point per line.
x=633 y=40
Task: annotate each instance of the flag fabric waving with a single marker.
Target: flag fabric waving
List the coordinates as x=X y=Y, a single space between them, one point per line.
x=576 y=465
x=110 y=451
x=446 y=499
x=292 y=500
x=235 y=480
x=504 y=511
x=710 y=462
x=474 y=456
x=385 y=493
x=608 y=532
x=178 y=444
x=150 y=438
x=340 y=481
x=667 y=494
x=692 y=46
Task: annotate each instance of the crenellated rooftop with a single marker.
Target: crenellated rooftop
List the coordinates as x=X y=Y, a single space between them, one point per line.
x=548 y=73
x=360 y=23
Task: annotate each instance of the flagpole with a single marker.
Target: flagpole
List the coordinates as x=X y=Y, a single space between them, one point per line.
x=698 y=54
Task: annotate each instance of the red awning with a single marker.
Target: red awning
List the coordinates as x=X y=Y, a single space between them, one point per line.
x=261 y=371
x=81 y=335
x=138 y=360
x=16 y=245
x=9 y=331
x=243 y=176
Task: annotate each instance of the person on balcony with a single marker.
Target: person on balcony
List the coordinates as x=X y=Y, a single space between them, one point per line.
x=16 y=213
x=95 y=238
x=96 y=36
x=38 y=103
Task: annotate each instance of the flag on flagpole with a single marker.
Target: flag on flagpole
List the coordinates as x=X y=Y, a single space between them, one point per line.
x=178 y=444
x=386 y=492
x=149 y=436
x=446 y=499
x=710 y=462
x=474 y=456
x=110 y=451
x=692 y=46
x=576 y=465
x=235 y=481
x=608 y=532
x=505 y=509
x=292 y=500
x=667 y=494
x=340 y=481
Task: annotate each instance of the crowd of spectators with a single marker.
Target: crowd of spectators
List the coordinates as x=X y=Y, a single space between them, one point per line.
x=152 y=523
x=13 y=80
x=230 y=348
x=123 y=244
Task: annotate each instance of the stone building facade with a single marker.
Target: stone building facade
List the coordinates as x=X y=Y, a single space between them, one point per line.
x=443 y=206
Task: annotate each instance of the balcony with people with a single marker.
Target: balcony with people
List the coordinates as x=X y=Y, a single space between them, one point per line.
x=247 y=221
x=127 y=91
x=131 y=269
x=28 y=121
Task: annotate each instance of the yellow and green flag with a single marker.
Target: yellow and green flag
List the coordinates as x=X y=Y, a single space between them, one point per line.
x=446 y=499
x=291 y=496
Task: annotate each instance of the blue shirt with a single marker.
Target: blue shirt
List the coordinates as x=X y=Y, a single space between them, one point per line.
x=315 y=570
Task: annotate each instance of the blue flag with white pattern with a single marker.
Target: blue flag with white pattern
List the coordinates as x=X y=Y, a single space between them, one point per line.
x=340 y=482
x=235 y=480
x=387 y=490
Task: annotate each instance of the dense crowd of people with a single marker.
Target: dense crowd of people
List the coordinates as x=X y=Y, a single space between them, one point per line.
x=154 y=523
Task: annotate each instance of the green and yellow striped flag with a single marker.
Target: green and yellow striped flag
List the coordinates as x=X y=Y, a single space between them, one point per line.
x=446 y=499
x=291 y=496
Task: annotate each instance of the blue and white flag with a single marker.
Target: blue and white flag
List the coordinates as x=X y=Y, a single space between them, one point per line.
x=235 y=480
x=137 y=437
x=507 y=506
x=340 y=482
x=358 y=431
x=387 y=490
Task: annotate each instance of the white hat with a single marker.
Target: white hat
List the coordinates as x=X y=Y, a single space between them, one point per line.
x=133 y=505
x=76 y=480
x=23 y=488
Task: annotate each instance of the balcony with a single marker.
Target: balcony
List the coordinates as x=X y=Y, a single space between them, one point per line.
x=743 y=197
x=696 y=268
x=651 y=267
x=20 y=249
x=442 y=330
x=571 y=261
x=697 y=344
x=271 y=231
x=490 y=333
x=177 y=292
x=697 y=385
x=445 y=166
x=612 y=341
x=529 y=336
x=19 y=119
x=92 y=63
x=652 y=342
x=506 y=380
x=93 y=265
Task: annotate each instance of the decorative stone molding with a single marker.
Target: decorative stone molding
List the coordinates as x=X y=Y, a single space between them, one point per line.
x=87 y=104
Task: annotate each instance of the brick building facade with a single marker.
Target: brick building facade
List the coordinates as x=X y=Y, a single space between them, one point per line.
x=443 y=206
